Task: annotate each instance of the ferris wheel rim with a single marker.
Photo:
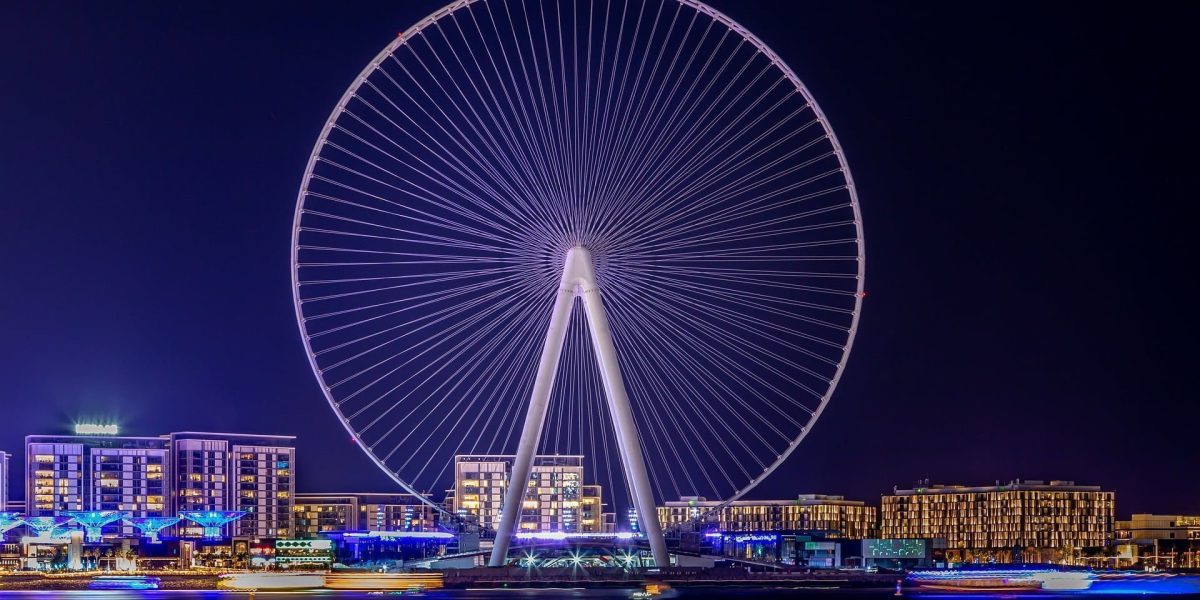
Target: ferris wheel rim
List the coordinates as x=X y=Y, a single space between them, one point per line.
x=733 y=26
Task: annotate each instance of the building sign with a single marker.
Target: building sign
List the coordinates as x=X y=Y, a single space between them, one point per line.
x=95 y=429
x=893 y=548
x=303 y=545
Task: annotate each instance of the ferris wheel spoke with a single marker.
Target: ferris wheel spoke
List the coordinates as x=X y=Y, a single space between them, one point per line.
x=537 y=182
x=730 y=318
x=682 y=380
x=744 y=349
x=429 y=343
x=632 y=124
x=471 y=372
x=731 y=190
x=409 y=328
x=658 y=140
x=419 y=237
x=484 y=136
x=670 y=392
x=440 y=360
x=465 y=144
x=426 y=299
x=537 y=118
x=721 y=225
x=686 y=149
x=697 y=372
x=418 y=191
x=429 y=277
x=478 y=205
x=425 y=196
x=523 y=125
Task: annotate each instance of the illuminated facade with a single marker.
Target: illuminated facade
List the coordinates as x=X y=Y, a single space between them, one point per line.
x=97 y=473
x=317 y=513
x=1027 y=520
x=1165 y=541
x=833 y=515
x=226 y=471
x=556 y=500
x=146 y=477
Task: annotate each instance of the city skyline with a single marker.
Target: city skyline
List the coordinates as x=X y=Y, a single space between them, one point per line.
x=1005 y=334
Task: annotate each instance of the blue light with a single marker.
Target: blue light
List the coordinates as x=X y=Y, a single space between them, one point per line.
x=119 y=582
x=213 y=520
x=93 y=521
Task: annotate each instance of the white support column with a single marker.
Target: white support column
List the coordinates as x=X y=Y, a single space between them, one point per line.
x=539 y=401
x=623 y=424
x=579 y=279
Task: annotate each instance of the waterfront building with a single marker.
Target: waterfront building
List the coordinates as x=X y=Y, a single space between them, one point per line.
x=97 y=470
x=1029 y=521
x=833 y=516
x=96 y=473
x=229 y=471
x=592 y=518
x=557 y=498
x=1164 y=541
x=317 y=513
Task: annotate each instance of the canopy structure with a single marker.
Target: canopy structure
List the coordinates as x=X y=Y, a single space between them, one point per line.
x=150 y=526
x=94 y=521
x=212 y=520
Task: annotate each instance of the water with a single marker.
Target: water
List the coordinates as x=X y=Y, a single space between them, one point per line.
x=694 y=593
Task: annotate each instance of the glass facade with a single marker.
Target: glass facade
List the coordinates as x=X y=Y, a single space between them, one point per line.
x=160 y=476
x=1029 y=520
x=100 y=473
x=317 y=513
x=251 y=473
x=834 y=516
x=556 y=500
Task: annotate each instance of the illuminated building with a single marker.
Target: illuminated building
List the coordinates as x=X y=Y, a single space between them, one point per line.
x=149 y=477
x=229 y=471
x=592 y=518
x=555 y=500
x=1164 y=541
x=316 y=513
x=1027 y=521
x=834 y=516
x=96 y=473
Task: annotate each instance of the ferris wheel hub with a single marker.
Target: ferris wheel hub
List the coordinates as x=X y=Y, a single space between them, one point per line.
x=579 y=274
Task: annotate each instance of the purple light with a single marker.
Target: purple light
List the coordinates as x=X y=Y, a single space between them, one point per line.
x=563 y=535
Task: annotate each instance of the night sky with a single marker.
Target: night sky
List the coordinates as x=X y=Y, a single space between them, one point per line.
x=1024 y=173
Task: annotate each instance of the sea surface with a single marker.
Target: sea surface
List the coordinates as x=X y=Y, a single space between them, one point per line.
x=695 y=593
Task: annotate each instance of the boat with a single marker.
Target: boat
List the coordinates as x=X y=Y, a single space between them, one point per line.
x=997 y=580
x=123 y=582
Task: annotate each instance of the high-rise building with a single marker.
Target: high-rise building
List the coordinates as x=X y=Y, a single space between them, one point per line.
x=832 y=516
x=555 y=500
x=160 y=476
x=316 y=513
x=229 y=471
x=101 y=472
x=1025 y=520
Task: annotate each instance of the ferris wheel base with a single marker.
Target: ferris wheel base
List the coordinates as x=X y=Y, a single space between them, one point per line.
x=579 y=280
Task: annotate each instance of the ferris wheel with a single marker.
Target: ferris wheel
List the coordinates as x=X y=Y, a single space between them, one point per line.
x=621 y=229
